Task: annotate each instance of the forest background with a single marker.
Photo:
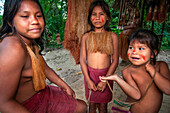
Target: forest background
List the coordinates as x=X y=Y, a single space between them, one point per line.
x=55 y=12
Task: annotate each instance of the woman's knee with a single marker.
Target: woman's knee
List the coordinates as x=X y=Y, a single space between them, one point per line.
x=81 y=107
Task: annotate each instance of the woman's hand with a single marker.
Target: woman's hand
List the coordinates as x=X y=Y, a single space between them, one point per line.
x=70 y=92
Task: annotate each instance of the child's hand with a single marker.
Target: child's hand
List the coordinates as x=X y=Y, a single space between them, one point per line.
x=111 y=77
x=92 y=86
x=101 y=86
x=102 y=78
x=150 y=68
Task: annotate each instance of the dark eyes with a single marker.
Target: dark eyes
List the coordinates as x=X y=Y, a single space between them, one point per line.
x=28 y=16
x=138 y=48
x=141 y=48
x=24 y=16
x=94 y=14
x=130 y=47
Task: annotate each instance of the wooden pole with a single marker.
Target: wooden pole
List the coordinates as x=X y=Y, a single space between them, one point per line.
x=142 y=13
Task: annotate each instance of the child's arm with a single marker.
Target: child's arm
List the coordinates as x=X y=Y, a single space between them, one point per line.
x=162 y=77
x=129 y=86
x=115 y=56
x=115 y=60
x=83 y=64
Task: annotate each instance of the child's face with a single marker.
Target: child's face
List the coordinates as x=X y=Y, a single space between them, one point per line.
x=98 y=17
x=29 y=21
x=138 y=53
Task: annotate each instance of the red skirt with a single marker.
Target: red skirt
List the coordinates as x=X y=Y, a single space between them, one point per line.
x=51 y=100
x=97 y=96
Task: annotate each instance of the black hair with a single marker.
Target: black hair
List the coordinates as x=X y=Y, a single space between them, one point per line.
x=146 y=37
x=10 y=9
x=105 y=8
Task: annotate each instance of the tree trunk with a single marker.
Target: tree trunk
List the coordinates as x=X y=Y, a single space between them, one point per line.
x=76 y=25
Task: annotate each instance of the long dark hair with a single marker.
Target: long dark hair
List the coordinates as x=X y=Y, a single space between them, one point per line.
x=105 y=8
x=146 y=37
x=10 y=9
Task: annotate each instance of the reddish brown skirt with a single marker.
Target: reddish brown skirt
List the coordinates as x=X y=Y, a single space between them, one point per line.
x=51 y=100
x=97 y=96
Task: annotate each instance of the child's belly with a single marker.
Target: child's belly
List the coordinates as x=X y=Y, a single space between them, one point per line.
x=98 y=60
x=150 y=104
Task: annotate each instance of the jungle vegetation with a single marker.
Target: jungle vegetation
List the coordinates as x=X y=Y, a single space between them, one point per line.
x=55 y=12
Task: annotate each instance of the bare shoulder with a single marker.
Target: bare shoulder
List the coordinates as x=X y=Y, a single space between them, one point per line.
x=114 y=38
x=12 y=47
x=84 y=37
x=126 y=71
x=163 y=68
x=162 y=63
x=114 y=35
x=12 y=61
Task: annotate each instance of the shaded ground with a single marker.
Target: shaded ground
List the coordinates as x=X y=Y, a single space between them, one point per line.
x=62 y=62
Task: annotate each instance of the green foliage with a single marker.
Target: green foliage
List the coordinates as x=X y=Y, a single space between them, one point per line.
x=114 y=17
x=0 y=19
x=55 y=12
x=157 y=28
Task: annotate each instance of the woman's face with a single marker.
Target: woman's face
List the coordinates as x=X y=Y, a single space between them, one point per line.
x=29 y=21
x=138 y=53
x=98 y=17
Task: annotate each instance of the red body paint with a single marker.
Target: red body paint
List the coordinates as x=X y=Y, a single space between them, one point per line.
x=134 y=50
x=128 y=54
x=102 y=20
x=93 y=19
x=142 y=56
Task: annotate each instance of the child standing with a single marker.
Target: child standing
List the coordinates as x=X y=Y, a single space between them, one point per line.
x=98 y=56
x=23 y=71
x=142 y=52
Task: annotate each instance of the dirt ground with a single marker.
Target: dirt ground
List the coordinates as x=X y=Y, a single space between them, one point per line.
x=63 y=64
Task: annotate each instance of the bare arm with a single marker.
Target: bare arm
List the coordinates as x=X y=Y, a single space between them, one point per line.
x=12 y=60
x=162 y=77
x=128 y=85
x=115 y=56
x=53 y=77
x=114 y=64
x=83 y=64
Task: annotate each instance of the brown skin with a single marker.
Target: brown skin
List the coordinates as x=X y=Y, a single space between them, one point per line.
x=137 y=78
x=98 y=60
x=140 y=79
x=152 y=102
x=136 y=84
x=16 y=85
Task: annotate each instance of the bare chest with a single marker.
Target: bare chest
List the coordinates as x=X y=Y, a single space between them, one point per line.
x=98 y=60
x=27 y=69
x=142 y=79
